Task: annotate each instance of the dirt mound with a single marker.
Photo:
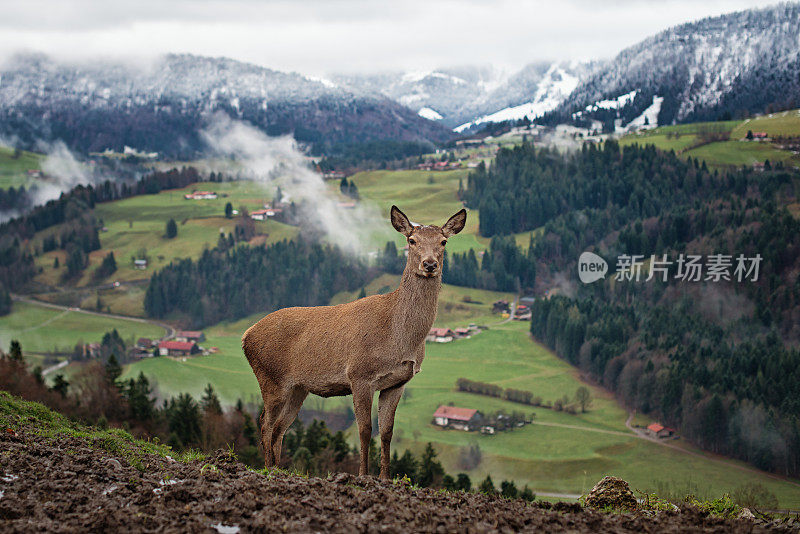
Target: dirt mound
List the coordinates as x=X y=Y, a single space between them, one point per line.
x=611 y=492
x=64 y=484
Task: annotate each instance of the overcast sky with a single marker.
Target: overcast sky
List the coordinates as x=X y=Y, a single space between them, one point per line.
x=322 y=36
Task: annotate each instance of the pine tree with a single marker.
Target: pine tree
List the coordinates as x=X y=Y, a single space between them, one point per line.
x=60 y=385
x=210 y=401
x=463 y=483
x=430 y=470
x=508 y=489
x=487 y=486
x=112 y=370
x=228 y=210
x=15 y=351
x=172 y=229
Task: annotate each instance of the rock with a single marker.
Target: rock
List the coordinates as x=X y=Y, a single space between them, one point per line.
x=611 y=492
x=746 y=514
x=114 y=463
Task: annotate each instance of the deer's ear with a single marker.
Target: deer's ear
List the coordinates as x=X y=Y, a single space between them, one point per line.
x=455 y=223
x=401 y=222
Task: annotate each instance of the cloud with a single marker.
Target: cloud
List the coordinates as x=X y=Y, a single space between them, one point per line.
x=320 y=37
x=276 y=162
x=62 y=172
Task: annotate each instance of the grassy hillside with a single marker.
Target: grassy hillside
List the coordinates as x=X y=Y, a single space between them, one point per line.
x=42 y=329
x=13 y=170
x=137 y=225
x=688 y=140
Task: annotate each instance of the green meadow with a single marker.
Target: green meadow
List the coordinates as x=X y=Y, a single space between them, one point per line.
x=685 y=139
x=42 y=329
x=14 y=170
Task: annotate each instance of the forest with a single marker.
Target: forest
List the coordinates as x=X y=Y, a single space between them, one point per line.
x=230 y=283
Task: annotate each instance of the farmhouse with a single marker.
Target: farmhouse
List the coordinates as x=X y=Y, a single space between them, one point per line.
x=440 y=335
x=458 y=418
x=140 y=264
x=144 y=343
x=177 y=348
x=200 y=195
x=760 y=135
x=462 y=332
x=660 y=431
x=190 y=335
x=262 y=215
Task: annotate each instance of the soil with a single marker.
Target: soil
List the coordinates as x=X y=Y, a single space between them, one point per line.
x=63 y=485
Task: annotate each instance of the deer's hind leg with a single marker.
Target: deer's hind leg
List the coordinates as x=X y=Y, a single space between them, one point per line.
x=275 y=400
x=286 y=418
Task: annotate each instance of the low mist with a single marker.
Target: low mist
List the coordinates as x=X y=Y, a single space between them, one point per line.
x=277 y=162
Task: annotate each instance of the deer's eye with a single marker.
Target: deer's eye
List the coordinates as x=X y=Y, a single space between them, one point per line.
x=412 y=241
x=444 y=242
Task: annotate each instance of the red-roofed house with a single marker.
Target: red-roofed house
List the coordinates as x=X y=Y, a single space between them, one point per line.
x=177 y=348
x=190 y=335
x=458 y=418
x=440 y=335
x=760 y=135
x=660 y=431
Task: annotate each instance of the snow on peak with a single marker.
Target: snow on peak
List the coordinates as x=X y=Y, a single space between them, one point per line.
x=430 y=114
x=554 y=87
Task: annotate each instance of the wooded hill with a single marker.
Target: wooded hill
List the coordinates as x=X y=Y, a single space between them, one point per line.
x=718 y=360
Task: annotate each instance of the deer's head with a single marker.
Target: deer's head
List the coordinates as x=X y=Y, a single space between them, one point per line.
x=426 y=243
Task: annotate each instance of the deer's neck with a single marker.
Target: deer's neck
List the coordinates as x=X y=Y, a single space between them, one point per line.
x=417 y=298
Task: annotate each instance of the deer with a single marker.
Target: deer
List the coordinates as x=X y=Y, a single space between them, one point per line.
x=373 y=344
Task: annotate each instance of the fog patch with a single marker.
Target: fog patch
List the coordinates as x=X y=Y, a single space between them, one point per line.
x=277 y=162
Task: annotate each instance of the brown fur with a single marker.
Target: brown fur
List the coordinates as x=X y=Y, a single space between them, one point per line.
x=373 y=344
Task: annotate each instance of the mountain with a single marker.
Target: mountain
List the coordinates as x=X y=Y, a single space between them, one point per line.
x=458 y=97
x=161 y=107
x=715 y=68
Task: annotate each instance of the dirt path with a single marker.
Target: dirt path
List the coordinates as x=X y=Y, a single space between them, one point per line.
x=169 y=331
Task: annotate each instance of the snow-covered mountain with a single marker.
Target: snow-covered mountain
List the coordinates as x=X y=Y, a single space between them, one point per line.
x=714 y=68
x=460 y=97
x=162 y=106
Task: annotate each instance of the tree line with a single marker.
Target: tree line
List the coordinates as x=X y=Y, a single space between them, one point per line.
x=234 y=282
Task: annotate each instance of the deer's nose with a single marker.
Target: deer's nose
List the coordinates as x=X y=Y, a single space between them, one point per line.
x=430 y=265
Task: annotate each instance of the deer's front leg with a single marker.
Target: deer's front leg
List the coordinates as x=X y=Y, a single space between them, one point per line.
x=387 y=405
x=362 y=404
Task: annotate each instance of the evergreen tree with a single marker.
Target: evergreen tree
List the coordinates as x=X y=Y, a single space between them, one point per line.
x=508 y=489
x=172 y=229
x=487 y=486
x=60 y=385
x=463 y=483
x=113 y=370
x=138 y=393
x=228 y=210
x=210 y=401
x=183 y=416
x=15 y=351
x=430 y=470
